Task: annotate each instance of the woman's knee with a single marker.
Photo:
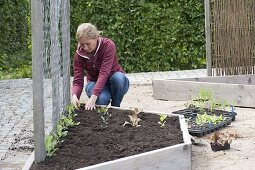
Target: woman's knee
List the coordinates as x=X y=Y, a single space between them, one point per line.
x=118 y=78
x=103 y=99
x=89 y=88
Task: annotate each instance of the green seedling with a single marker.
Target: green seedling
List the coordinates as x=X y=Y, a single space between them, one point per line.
x=205 y=95
x=102 y=110
x=205 y=101
x=201 y=119
x=65 y=121
x=70 y=110
x=61 y=130
x=104 y=114
x=134 y=120
x=50 y=144
x=69 y=122
x=162 y=120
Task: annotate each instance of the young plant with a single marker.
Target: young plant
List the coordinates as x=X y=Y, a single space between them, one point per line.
x=61 y=130
x=134 y=120
x=205 y=102
x=50 y=144
x=104 y=113
x=201 y=119
x=205 y=95
x=102 y=109
x=221 y=138
x=162 y=120
x=65 y=121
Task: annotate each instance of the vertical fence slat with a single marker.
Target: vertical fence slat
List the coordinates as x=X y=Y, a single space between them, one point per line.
x=55 y=62
x=66 y=51
x=208 y=38
x=37 y=71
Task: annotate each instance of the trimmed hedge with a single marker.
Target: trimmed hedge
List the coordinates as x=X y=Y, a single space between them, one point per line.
x=14 y=33
x=150 y=35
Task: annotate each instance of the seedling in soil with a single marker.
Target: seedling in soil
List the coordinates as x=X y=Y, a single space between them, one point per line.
x=61 y=130
x=205 y=102
x=64 y=122
x=201 y=119
x=134 y=119
x=204 y=96
x=221 y=141
x=162 y=120
x=103 y=110
x=50 y=144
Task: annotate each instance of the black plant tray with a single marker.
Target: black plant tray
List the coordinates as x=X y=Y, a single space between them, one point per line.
x=201 y=130
x=194 y=111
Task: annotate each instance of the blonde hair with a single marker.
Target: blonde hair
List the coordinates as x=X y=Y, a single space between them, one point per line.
x=87 y=30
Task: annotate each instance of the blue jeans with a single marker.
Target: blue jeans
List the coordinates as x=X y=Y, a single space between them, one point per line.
x=115 y=89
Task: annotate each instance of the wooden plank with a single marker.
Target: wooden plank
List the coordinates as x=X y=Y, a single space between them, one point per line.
x=176 y=157
x=236 y=94
x=29 y=162
x=37 y=72
x=234 y=79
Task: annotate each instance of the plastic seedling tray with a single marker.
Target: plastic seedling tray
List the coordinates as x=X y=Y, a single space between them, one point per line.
x=201 y=130
x=194 y=112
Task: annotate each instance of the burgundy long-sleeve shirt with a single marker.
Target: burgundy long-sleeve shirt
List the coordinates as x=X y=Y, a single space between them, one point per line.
x=99 y=67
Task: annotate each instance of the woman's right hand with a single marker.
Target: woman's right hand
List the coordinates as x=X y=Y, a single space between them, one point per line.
x=75 y=101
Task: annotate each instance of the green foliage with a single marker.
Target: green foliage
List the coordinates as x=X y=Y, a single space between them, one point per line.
x=15 y=56
x=105 y=115
x=162 y=120
x=201 y=119
x=63 y=124
x=205 y=99
x=149 y=35
x=205 y=95
x=102 y=109
x=50 y=144
x=23 y=71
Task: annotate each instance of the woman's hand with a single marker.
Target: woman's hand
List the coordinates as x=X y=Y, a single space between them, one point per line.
x=90 y=104
x=75 y=101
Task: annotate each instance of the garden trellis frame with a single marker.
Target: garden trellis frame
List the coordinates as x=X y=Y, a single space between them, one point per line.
x=230 y=37
x=58 y=65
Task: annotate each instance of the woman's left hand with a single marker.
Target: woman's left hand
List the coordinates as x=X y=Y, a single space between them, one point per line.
x=90 y=104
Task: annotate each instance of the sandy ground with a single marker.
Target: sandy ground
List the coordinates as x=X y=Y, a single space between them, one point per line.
x=242 y=151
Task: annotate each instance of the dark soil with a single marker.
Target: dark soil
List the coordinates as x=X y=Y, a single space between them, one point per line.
x=218 y=147
x=94 y=141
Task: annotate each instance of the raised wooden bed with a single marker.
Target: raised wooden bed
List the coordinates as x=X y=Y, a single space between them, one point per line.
x=237 y=90
x=172 y=157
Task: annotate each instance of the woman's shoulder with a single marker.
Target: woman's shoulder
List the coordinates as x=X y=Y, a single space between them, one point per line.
x=107 y=41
